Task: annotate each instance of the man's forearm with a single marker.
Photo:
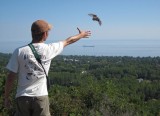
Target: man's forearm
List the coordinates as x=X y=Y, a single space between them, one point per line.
x=73 y=39
x=9 y=84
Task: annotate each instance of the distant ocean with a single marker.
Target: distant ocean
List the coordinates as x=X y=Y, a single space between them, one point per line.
x=127 y=47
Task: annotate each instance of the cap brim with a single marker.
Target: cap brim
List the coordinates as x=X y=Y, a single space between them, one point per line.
x=50 y=26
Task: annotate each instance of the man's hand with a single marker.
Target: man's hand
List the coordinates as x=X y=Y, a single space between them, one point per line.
x=84 y=34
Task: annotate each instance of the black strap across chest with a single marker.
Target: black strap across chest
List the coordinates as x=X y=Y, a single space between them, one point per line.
x=38 y=58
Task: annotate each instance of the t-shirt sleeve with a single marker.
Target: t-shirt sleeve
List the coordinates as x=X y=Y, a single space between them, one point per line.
x=56 y=48
x=13 y=62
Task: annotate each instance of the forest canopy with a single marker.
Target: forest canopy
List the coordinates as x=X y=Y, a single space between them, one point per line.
x=99 y=86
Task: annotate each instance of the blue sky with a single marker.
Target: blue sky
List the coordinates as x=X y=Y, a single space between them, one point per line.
x=121 y=19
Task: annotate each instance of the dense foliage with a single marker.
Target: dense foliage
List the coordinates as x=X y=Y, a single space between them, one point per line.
x=100 y=86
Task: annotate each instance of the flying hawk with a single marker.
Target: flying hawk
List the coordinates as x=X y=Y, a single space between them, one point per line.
x=95 y=18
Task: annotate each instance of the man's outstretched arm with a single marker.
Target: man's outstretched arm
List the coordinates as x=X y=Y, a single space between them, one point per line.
x=72 y=39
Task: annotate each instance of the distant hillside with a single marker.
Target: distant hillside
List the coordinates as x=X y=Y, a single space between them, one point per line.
x=5 y=55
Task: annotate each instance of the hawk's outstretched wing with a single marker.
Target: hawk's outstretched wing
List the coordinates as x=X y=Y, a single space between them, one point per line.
x=95 y=18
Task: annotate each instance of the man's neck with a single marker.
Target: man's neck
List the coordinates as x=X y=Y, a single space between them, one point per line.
x=34 y=41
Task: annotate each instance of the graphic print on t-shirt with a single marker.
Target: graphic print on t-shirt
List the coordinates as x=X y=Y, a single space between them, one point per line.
x=33 y=69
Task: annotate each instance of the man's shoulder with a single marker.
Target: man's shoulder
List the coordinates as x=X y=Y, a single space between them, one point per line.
x=21 y=49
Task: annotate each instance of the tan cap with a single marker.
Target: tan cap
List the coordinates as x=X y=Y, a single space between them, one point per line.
x=40 y=26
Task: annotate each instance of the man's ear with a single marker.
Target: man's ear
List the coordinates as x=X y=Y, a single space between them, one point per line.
x=45 y=35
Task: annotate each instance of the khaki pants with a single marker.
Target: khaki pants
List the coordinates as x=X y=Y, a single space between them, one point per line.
x=32 y=106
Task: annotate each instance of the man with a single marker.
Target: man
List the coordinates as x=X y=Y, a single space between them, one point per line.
x=32 y=94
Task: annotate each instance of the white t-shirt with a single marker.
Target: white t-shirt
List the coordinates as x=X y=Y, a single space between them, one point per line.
x=31 y=77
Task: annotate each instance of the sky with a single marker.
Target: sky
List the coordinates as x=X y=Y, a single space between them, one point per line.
x=121 y=19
